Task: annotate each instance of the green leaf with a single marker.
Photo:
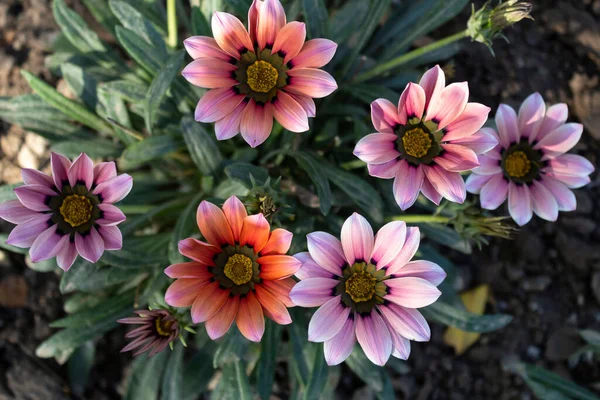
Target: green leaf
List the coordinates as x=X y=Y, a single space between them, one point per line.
x=312 y=167
x=80 y=271
x=42 y=266
x=590 y=336
x=14 y=249
x=208 y=7
x=117 y=115
x=74 y=110
x=121 y=304
x=160 y=85
x=75 y=29
x=102 y=13
x=298 y=337
x=242 y=172
x=185 y=227
x=362 y=367
x=172 y=384
x=240 y=7
x=152 y=148
x=96 y=148
x=200 y=25
x=128 y=258
x=79 y=367
x=367 y=92
x=7 y=192
x=138 y=49
x=446 y=236
x=146 y=377
x=267 y=363
x=234 y=382
x=316 y=18
x=228 y=188
x=232 y=346
x=464 y=320
x=318 y=376
x=202 y=146
x=134 y=92
x=197 y=373
x=344 y=22
x=82 y=84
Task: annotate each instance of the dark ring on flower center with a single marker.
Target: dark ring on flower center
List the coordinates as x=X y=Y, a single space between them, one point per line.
x=361 y=286
x=236 y=268
x=521 y=163
x=260 y=75
x=419 y=142
x=74 y=210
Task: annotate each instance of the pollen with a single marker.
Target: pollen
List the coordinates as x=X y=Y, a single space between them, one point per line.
x=164 y=328
x=361 y=286
x=262 y=76
x=416 y=142
x=76 y=210
x=517 y=164
x=239 y=269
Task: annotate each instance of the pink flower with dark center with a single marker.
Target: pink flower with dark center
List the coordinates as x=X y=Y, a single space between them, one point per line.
x=425 y=142
x=255 y=75
x=367 y=290
x=529 y=165
x=70 y=213
x=157 y=329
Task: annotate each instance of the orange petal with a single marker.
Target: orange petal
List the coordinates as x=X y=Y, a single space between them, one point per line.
x=209 y=302
x=199 y=251
x=278 y=267
x=183 y=292
x=235 y=212
x=272 y=307
x=213 y=224
x=218 y=325
x=250 y=319
x=255 y=232
x=279 y=242
x=188 y=270
x=281 y=289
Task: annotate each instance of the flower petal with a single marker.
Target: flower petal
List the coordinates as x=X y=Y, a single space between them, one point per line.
x=388 y=243
x=35 y=197
x=313 y=292
x=281 y=289
x=60 y=166
x=410 y=247
x=520 y=204
x=66 y=256
x=422 y=269
x=199 y=251
x=544 y=203
x=210 y=73
x=433 y=82
x=250 y=319
x=412 y=103
x=315 y=53
x=289 y=40
x=328 y=320
x=110 y=215
x=466 y=124
x=183 y=292
x=408 y=322
x=487 y=166
x=255 y=232
x=570 y=164
x=82 y=172
x=357 y=239
x=104 y=171
x=310 y=82
x=213 y=224
x=476 y=182
x=401 y=346
x=204 y=47
x=326 y=251
x=385 y=116
x=35 y=177
x=257 y=122
x=562 y=194
x=111 y=236
x=307 y=103
x=271 y=20
x=573 y=182
x=430 y=193
x=561 y=139
x=377 y=148
x=481 y=141
x=411 y=292
x=90 y=246
x=507 y=123
x=531 y=116
x=289 y=113
x=338 y=348
x=216 y=104
x=272 y=306
x=209 y=301
x=230 y=34
x=235 y=212
x=556 y=115
x=386 y=170
x=15 y=212
x=457 y=158
x=494 y=192
x=310 y=269
x=220 y=323
x=275 y=267
x=451 y=103
x=115 y=189
x=188 y=270
x=374 y=337
x=279 y=242
x=24 y=234
x=229 y=126
x=449 y=184
x=47 y=244
x=407 y=184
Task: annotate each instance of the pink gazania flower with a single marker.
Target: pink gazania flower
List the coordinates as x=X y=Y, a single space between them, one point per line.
x=70 y=213
x=425 y=142
x=367 y=290
x=255 y=75
x=241 y=274
x=529 y=166
x=158 y=328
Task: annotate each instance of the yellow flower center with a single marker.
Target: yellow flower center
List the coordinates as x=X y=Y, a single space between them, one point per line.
x=239 y=269
x=416 y=142
x=361 y=286
x=262 y=76
x=163 y=328
x=76 y=210
x=517 y=164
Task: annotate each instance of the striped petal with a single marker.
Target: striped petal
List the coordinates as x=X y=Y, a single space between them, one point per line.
x=338 y=348
x=507 y=123
x=81 y=172
x=188 y=270
x=411 y=292
x=199 y=251
x=279 y=242
x=315 y=53
x=410 y=247
x=47 y=244
x=386 y=170
x=257 y=122
x=433 y=82
x=60 y=166
x=488 y=166
x=374 y=337
x=407 y=184
x=466 y=124
x=111 y=237
x=235 y=212
x=476 y=182
x=90 y=246
x=183 y=292
x=326 y=250
x=213 y=224
x=544 y=203
x=273 y=308
x=310 y=269
x=310 y=82
x=24 y=234
x=377 y=148
x=208 y=302
x=531 y=116
x=255 y=232
x=35 y=177
x=307 y=103
x=451 y=104
x=275 y=267
x=570 y=164
x=66 y=256
x=328 y=320
x=229 y=126
x=313 y=292
x=562 y=194
x=250 y=318
x=481 y=141
x=430 y=193
x=412 y=103
x=457 y=158
x=230 y=34
x=385 y=116
x=271 y=19
x=494 y=192
x=115 y=189
x=289 y=40
x=401 y=346
x=561 y=139
x=556 y=115
x=449 y=184
x=35 y=197
x=422 y=269
x=110 y=216
x=408 y=322
x=281 y=289
x=357 y=239
x=289 y=113
x=216 y=104
x=16 y=213
x=210 y=73
x=388 y=243
x=520 y=204
x=220 y=323
x=104 y=171
x=204 y=47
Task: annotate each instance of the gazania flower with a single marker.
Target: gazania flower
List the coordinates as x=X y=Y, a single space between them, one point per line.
x=367 y=290
x=255 y=75
x=529 y=165
x=70 y=213
x=425 y=142
x=158 y=329
x=241 y=274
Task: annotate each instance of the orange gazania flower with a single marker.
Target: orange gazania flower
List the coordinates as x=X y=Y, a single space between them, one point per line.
x=242 y=273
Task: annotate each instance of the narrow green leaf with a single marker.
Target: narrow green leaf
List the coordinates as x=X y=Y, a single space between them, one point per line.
x=208 y=7
x=318 y=376
x=367 y=92
x=232 y=346
x=464 y=320
x=117 y=115
x=134 y=92
x=197 y=373
x=234 y=382
x=14 y=249
x=138 y=49
x=128 y=258
x=240 y=7
x=242 y=172
x=446 y=236
x=344 y=22
x=200 y=25
x=75 y=29
x=42 y=266
x=152 y=148
x=79 y=272
x=96 y=148
x=185 y=227
x=309 y=164
x=172 y=384
x=90 y=316
x=7 y=192
x=82 y=84
x=202 y=146
x=298 y=338
x=102 y=13
x=79 y=367
x=316 y=18
x=145 y=380
x=362 y=367
x=590 y=336
x=265 y=372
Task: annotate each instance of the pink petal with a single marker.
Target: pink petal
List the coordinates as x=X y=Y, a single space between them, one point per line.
x=544 y=203
x=313 y=292
x=307 y=103
x=216 y=104
x=188 y=270
x=377 y=148
x=357 y=239
x=271 y=20
x=401 y=346
x=326 y=251
x=289 y=113
x=328 y=320
x=204 y=47
x=374 y=337
x=213 y=224
x=219 y=324
x=35 y=197
x=198 y=251
x=210 y=73
x=104 y=171
x=310 y=82
x=386 y=170
x=476 y=182
x=281 y=289
x=60 y=167
x=255 y=232
x=508 y=129
x=338 y=348
x=487 y=166
x=470 y=121
x=290 y=40
x=573 y=182
x=561 y=139
x=272 y=306
x=449 y=184
x=556 y=115
x=433 y=82
x=388 y=243
x=253 y=19
x=570 y=164
x=385 y=116
x=407 y=184
x=277 y=266
x=411 y=292
x=229 y=126
x=310 y=269
x=279 y=242
x=257 y=123
x=481 y=141
x=90 y=246
x=412 y=103
x=235 y=212
x=451 y=104
x=520 y=204
x=47 y=244
x=494 y=192
x=422 y=269
x=183 y=292
x=315 y=53
x=66 y=256
x=562 y=194
x=115 y=189
x=111 y=215
x=410 y=247
x=24 y=234
x=82 y=171
x=531 y=116
x=208 y=303
x=250 y=318
x=15 y=212
x=457 y=158
x=230 y=34
x=111 y=236
x=35 y=177
x=407 y=322
x=430 y=193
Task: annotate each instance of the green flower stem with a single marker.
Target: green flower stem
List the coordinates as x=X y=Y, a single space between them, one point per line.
x=420 y=219
x=172 y=23
x=411 y=55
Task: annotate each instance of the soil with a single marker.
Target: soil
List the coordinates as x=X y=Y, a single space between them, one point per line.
x=548 y=278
